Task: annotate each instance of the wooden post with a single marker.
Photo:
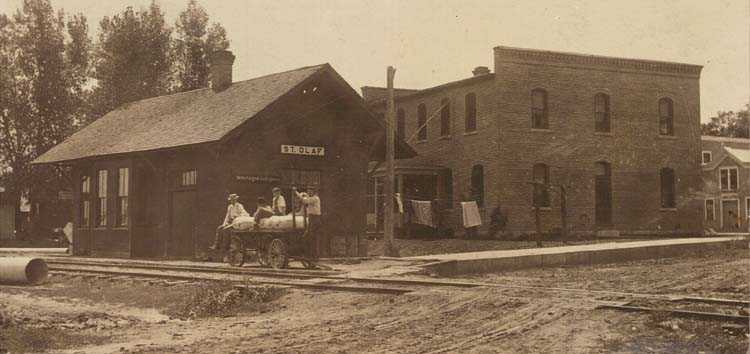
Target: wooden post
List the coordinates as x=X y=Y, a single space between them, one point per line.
x=563 y=215
x=390 y=139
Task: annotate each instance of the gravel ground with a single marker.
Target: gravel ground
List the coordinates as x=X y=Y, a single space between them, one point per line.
x=441 y=320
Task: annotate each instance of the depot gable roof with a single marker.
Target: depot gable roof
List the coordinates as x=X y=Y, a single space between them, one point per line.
x=170 y=121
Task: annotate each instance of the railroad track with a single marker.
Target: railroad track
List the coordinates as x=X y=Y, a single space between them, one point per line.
x=337 y=281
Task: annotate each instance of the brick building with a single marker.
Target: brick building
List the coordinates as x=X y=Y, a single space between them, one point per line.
x=623 y=135
x=726 y=183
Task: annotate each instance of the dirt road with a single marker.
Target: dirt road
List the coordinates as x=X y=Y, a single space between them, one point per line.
x=97 y=316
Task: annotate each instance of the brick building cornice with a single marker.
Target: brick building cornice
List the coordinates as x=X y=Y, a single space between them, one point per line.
x=533 y=56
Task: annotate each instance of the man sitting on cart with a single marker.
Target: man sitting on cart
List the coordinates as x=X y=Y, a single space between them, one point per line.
x=262 y=212
x=278 y=203
x=311 y=202
x=223 y=232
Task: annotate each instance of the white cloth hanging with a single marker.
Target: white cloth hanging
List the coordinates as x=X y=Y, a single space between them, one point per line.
x=471 y=216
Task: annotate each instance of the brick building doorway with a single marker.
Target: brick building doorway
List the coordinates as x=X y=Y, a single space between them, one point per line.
x=603 y=194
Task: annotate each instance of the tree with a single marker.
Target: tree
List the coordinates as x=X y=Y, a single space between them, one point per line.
x=40 y=84
x=193 y=46
x=133 y=60
x=729 y=124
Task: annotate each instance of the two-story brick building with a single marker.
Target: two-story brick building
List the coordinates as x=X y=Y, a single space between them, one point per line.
x=726 y=183
x=622 y=135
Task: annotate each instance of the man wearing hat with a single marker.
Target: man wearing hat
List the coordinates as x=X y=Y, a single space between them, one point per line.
x=278 y=204
x=311 y=202
x=234 y=210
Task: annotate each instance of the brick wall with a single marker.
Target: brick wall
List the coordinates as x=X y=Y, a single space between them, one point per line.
x=507 y=147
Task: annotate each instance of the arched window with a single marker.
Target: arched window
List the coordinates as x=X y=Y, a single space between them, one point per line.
x=540 y=175
x=666 y=175
x=666 y=117
x=445 y=117
x=477 y=184
x=400 y=123
x=539 y=109
x=601 y=112
x=470 y=117
x=421 y=122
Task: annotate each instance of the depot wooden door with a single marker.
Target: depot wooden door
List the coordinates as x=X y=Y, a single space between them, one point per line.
x=182 y=223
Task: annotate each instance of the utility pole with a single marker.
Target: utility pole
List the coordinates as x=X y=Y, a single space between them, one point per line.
x=390 y=140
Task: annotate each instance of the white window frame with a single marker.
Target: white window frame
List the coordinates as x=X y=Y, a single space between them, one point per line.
x=705 y=209
x=729 y=179
x=710 y=157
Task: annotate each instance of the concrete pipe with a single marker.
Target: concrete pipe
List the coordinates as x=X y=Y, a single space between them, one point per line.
x=22 y=270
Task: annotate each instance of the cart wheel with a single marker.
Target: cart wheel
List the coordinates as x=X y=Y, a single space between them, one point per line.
x=236 y=257
x=277 y=256
x=262 y=258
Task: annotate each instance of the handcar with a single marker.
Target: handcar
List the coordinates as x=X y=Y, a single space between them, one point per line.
x=273 y=242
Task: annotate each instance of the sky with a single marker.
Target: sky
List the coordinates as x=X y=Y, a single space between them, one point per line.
x=437 y=41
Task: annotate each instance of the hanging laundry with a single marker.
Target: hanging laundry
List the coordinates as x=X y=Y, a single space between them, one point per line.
x=422 y=212
x=471 y=216
x=400 y=203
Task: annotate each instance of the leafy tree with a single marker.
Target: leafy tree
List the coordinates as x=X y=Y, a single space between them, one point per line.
x=194 y=43
x=133 y=59
x=729 y=124
x=41 y=83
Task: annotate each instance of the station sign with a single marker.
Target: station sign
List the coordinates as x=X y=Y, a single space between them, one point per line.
x=303 y=150
x=257 y=179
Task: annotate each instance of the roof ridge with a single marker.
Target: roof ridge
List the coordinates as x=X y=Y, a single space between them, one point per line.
x=233 y=83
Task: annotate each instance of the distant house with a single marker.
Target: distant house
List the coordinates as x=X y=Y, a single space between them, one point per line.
x=152 y=177
x=726 y=183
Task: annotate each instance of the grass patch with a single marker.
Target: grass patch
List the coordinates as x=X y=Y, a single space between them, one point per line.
x=224 y=300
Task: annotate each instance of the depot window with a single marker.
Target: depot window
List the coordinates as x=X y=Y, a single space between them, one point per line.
x=710 y=210
x=540 y=176
x=123 y=191
x=666 y=117
x=102 y=198
x=601 y=113
x=85 y=201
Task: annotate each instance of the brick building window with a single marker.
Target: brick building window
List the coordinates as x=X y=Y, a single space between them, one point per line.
x=666 y=117
x=470 y=115
x=422 y=122
x=86 y=201
x=668 y=199
x=747 y=206
x=102 y=198
x=706 y=157
x=540 y=175
x=729 y=178
x=123 y=191
x=601 y=113
x=400 y=123
x=477 y=184
x=445 y=117
x=710 y=210
x=539 y=110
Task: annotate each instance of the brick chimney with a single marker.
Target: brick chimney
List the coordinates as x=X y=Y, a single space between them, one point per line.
x=221 y=69
x=480 y=70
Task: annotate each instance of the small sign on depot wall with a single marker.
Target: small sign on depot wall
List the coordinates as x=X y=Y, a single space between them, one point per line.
x=303 y=150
